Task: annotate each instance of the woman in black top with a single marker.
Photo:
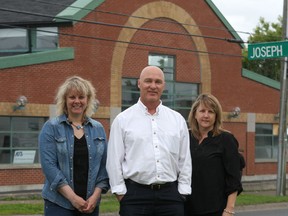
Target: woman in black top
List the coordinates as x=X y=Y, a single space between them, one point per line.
x=215 y=160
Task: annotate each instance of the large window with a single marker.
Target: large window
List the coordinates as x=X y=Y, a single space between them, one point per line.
x=15 y=41
x=19 y=139
x=177 y=95
x=266 y=142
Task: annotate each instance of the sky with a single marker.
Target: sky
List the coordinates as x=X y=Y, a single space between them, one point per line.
x=244 y=15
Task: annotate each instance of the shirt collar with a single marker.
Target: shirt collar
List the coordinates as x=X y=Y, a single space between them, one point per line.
x=145 y=109
x=64 y=118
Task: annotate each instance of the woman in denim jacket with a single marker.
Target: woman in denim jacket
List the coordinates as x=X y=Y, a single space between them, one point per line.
x=73 y=153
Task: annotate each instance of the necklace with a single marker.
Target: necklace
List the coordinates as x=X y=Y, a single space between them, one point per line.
x=78 y=127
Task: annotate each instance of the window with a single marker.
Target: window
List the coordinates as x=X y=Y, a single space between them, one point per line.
x=266 y=142
x=19 y=139
x=15 y=41
x=177 y=95
x=46 y=38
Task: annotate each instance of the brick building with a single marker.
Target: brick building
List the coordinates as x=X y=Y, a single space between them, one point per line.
x=44 y=42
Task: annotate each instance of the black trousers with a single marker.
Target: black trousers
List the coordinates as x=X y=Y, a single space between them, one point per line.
x=144 y=201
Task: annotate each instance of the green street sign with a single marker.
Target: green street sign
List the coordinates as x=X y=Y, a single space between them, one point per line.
x=267 y=50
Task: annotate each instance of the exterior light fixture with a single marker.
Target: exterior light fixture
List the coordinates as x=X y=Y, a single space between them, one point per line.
x=234 y=113
x=20 y=103
x=96 y=105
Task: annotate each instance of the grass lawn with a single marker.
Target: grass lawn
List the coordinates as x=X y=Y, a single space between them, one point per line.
x=109 y=203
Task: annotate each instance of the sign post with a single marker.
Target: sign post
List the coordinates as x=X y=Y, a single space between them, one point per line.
x=277 y=50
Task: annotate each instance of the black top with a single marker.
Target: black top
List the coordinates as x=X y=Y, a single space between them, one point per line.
x=215 y=173
x=80 y=165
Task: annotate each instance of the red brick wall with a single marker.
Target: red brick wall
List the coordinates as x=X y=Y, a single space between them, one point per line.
x=21 y=176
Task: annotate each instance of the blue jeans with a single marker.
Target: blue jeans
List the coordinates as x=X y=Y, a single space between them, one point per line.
x=52 y=209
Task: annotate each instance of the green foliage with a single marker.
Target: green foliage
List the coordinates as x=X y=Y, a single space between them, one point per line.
x=21 y=208
x=254 y=199
x=34 y=205
x=264 y=32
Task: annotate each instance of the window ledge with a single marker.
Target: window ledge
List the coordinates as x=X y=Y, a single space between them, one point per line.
x=37 y=58
x=19 y=166
x=266 y=160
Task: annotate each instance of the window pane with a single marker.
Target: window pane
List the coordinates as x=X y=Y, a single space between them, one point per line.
x=165 y=62
x=25 y=140
x=13 y=39
x=5 y=124
x=47 y=38
x=275 y=147
x=169 y=88
x=263 y=148
x=184 y=113
x=4 y=140
x=130 y=91
x=264 y=129
x=27 y=124
x=185 y=94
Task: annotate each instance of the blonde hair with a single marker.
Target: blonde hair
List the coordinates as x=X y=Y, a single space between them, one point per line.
x=82 y=86
x=211 y=102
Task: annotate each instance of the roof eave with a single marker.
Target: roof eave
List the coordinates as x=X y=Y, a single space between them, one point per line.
x=78 y=10
x=226 y=23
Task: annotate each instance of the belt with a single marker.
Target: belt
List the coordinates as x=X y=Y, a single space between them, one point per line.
x=151 y=186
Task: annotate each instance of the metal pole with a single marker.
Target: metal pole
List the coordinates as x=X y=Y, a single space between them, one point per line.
x=281 y=176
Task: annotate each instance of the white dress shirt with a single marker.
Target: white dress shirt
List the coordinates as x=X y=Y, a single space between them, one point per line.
x=149 y=149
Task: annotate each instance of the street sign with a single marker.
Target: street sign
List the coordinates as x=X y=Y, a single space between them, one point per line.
x=267 y=50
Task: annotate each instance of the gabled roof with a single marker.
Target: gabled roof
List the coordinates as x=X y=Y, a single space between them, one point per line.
x=20 y=12
x=33 y=12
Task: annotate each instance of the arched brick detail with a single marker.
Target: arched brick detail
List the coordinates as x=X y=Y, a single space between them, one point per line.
x=154 y=10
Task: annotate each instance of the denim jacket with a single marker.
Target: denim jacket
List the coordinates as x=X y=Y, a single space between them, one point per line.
x=56 y=153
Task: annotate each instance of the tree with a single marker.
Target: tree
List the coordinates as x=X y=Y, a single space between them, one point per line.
x=264 y=32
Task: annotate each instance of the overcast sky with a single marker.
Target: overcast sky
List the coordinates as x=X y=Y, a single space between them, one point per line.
x=243 y=15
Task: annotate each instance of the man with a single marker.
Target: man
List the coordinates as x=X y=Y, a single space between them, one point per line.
x=149 y=164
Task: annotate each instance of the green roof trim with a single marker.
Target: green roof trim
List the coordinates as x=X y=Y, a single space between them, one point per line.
x=78 y=10
x=260 y=79
x=224 y=21
x=37 y=58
